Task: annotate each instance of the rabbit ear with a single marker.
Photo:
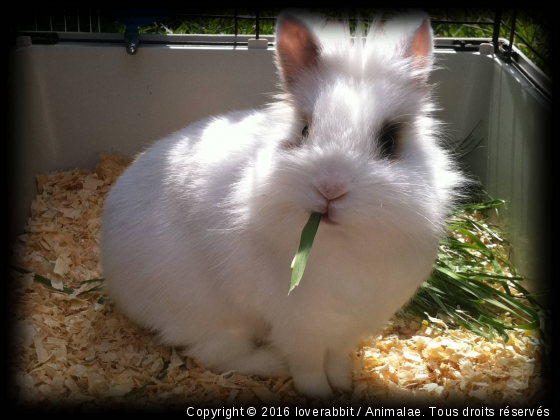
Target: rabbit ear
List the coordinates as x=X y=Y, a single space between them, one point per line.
x=421 y=45
x=297 y=50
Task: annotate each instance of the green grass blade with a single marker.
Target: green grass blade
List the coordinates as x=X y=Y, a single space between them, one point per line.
x=492 y=204
x=306 y=241
x=92 y=281
x=481 y=227
x=93 y=289
x=46 y=282
x=40 y=279
x=161 y=375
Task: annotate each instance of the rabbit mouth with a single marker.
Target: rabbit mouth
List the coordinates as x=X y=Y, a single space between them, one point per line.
x=325 y=218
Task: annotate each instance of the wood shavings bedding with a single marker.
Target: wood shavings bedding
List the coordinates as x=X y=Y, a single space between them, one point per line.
x=76 y=349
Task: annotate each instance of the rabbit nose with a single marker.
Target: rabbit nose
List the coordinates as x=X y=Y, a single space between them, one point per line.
x=332 y=191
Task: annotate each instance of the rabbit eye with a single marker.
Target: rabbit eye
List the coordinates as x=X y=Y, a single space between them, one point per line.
x=298 y=141
x=388 y=139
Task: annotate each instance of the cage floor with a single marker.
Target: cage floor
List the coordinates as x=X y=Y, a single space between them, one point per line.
x=72 y=347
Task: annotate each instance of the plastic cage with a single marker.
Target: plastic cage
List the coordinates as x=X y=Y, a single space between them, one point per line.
x=78 y=93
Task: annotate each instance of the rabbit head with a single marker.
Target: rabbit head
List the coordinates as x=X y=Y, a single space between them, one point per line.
x=359 y=144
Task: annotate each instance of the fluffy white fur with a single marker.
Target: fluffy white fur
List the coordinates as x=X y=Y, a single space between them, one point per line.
x=199 y=233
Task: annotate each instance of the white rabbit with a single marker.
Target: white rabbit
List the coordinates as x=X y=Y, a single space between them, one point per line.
x=199 y=233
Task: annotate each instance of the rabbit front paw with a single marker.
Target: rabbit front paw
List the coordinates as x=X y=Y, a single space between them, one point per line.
x=338 y=368
x=339 y=377
x=313 y=384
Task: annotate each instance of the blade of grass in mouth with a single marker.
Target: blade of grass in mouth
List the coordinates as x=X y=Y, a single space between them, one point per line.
x=305 y=243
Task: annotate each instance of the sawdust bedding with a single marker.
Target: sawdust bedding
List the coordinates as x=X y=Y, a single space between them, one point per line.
x=73 y=347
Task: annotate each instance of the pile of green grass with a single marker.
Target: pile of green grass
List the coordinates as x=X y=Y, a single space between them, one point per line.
x=474 y=285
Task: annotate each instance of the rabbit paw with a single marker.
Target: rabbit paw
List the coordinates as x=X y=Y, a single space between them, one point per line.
x=338 y=367
x=339 y=377
x=313 y=384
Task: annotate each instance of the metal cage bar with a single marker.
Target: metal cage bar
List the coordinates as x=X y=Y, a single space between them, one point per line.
x=511 y=35
x=496 y=30
x=257 y=24
x=525 y=42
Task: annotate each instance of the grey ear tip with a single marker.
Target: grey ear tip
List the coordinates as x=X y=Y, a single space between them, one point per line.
x=420 y=18
x=283 y=16
x=297 y=17
x=418 y=15
x=289 y=15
